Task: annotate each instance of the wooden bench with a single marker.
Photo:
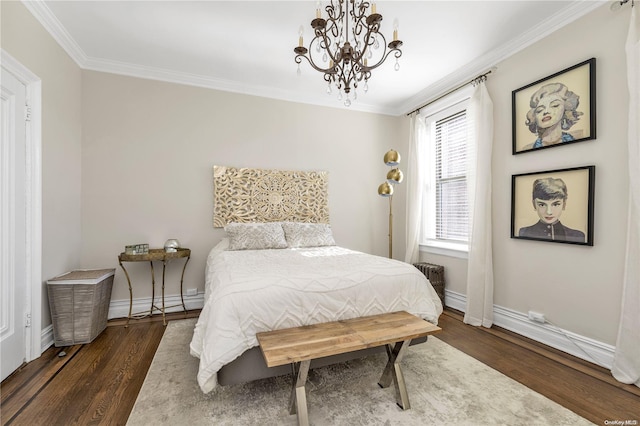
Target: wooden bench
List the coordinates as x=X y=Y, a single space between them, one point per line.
x=299 y=345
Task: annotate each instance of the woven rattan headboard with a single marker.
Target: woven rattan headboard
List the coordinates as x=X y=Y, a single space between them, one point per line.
x=256 y=195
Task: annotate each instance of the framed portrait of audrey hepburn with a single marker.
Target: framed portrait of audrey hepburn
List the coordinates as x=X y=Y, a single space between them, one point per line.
x=557 y=110
x=554 y=206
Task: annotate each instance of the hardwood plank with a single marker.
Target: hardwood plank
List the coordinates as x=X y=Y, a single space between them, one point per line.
x=584 y=388
x=98 y=385
x=33 y=377
x=112 y=397
x=582 y=393
x=68 y=395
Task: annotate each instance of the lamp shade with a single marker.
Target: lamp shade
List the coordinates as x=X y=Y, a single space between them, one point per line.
x=395 y=176
x=385 y=190
x=392 y=158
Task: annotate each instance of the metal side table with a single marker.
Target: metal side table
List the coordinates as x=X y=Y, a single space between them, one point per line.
x=159 y=255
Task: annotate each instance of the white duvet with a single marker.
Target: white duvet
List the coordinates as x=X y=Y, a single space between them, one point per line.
x=250 y=291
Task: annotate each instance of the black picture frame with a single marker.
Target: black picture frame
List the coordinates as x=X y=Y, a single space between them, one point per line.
x=574 y=92
x=571 y=190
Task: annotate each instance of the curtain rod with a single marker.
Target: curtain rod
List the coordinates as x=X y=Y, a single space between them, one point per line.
x=481 y=76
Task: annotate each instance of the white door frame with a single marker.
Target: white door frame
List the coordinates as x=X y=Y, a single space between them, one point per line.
x=33 y=196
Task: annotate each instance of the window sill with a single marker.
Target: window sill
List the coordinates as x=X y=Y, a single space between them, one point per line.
x=460 y=251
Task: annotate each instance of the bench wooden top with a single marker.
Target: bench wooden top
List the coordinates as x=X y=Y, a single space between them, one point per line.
x=308 y=342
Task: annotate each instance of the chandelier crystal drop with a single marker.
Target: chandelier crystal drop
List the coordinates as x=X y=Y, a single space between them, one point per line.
x=349 y=38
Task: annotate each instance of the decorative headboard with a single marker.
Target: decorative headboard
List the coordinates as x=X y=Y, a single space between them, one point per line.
x=256 y=195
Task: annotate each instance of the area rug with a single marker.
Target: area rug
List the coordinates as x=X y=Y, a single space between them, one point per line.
x=445 y=386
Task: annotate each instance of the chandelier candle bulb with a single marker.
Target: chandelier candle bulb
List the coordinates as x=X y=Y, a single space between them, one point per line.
x=373 y=7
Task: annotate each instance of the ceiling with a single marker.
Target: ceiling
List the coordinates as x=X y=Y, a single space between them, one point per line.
x=247 y=46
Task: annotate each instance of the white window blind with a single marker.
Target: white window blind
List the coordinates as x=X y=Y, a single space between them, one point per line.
x=445 y=210
x=451 y=206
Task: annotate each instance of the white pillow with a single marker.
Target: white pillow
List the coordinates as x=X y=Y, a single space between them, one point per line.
x=308 y=234
x=255 y=236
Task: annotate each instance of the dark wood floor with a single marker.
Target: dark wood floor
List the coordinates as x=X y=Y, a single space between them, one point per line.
x=98 y=383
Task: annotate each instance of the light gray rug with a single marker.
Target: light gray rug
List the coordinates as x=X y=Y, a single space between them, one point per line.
x=445 y=386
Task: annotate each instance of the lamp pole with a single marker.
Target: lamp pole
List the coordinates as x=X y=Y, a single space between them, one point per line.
x=394 y=177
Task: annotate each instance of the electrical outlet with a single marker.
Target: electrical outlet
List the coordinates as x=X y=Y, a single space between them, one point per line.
x=192 y=292
x=537 y=317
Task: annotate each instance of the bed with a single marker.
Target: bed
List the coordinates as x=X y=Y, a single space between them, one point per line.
x=274 y=274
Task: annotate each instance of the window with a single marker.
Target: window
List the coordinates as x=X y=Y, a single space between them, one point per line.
x=450 y=179
x=445 y=225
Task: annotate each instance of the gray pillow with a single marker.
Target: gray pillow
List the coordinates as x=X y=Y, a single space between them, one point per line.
x=308 y=234
x=255 y=236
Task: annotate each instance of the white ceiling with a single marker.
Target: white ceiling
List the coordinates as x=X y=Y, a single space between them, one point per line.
x=247 y=46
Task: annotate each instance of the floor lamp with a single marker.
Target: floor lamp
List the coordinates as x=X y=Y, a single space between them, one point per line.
x=394 y=177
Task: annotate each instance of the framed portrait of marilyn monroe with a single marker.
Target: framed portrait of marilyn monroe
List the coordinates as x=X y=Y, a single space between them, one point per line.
x=554 y=206
x=557 y=110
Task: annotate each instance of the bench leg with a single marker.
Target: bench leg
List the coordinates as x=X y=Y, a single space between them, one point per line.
x=298 y=400
x=393 y=372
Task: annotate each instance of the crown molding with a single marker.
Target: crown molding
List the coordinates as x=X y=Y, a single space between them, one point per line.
x=170 y=76
x=47 y=19
x=480 y=66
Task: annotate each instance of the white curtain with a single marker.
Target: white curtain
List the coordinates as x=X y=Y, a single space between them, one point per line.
x=479 y=310
x=626 y=362
x=415 y=188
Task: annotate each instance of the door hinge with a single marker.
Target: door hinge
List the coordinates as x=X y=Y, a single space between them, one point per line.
x=27 y=320
x=27 y=112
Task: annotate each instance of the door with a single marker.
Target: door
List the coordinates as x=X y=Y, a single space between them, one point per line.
x=13 y=230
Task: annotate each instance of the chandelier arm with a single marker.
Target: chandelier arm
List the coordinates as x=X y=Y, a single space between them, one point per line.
x=330 y=9
x=345 y=80
x=368 y=42
x=309 y=58
x=322 y=37
x=298 y=60
x=332 y=28
x=397 y=53
x=334 y=18
x=360 y=20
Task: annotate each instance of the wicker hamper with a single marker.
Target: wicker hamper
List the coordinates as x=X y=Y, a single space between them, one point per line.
x=79 y=303
x=435 y=275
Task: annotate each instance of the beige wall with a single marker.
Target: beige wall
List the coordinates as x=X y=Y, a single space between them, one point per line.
x=147 y=158
x=27 y=41
x=146 y=149
x=578 y=288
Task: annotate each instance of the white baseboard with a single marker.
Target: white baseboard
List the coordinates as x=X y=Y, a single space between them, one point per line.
x=120 y=309
x=46 y=339
x=549 y=334
x=582 y=347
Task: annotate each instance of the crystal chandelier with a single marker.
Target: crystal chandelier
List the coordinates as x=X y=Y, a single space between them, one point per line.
x=347 y=45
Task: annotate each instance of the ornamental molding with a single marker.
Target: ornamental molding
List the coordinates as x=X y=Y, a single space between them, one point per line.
x=256 y=195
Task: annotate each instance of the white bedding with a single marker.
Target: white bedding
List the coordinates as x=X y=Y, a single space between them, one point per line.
x=249 y=291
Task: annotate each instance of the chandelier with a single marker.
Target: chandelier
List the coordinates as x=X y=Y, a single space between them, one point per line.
x=347 y=45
